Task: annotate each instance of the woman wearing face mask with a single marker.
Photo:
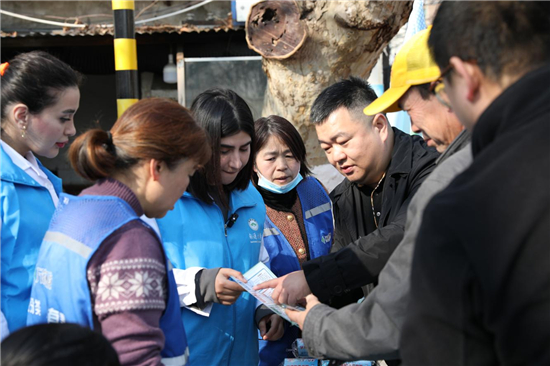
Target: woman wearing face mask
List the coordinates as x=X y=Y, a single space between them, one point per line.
x=299 y=223
x=40 y=96
x=215 y=232
x=99 y=265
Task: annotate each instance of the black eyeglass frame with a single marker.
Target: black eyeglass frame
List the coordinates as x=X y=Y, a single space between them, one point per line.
x=433 y=87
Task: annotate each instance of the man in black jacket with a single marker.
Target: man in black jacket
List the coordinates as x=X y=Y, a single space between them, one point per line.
x=384 y=167
x=480 y=291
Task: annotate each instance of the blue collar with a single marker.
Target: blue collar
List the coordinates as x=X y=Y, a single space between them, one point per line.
x=238 y=199
x=10 y=172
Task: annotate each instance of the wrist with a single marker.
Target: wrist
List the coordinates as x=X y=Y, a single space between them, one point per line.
x=207 y=285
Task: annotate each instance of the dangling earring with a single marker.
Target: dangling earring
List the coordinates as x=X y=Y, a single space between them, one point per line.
x=23 y=131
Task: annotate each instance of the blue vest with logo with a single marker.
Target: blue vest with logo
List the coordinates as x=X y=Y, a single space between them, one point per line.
x=26 y=209
x=60 y=292
x=319 y=227
x=194 y=235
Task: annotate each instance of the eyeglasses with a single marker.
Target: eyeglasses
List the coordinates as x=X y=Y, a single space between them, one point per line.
x=438 y=87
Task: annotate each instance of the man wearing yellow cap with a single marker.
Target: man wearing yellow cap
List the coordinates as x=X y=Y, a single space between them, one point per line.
x=371 y=329
x=414 y=75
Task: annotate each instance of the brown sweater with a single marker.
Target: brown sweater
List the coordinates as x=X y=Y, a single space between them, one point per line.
x=292 y=227
x=127 y=279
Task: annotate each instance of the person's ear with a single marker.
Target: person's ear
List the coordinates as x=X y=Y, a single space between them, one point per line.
x=471 y=75
x=381 y=125
x=155 y=168
x=21 y=114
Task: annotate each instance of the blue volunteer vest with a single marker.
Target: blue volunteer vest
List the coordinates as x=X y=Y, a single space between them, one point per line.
x=319 y=226
x=194 y=235
x=60 y=291
x=26 y=209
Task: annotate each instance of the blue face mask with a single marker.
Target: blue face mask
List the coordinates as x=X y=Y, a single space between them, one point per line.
x=272 y=187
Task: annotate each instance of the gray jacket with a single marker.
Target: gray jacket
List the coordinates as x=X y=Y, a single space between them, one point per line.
x=371 y=329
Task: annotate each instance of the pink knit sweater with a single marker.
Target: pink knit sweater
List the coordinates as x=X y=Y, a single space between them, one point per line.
x=127 y=280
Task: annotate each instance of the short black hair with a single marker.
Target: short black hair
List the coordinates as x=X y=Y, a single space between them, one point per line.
x=352 y=93
x=282 y=129
x=222 y=113
x=423 y=90
x=35 y=79
x=505 y=37
x=62 y=344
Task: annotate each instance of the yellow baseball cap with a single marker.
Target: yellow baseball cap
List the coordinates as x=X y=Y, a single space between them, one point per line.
x=413 y=65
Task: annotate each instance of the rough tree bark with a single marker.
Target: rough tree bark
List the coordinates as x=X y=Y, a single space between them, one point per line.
x=343 y=38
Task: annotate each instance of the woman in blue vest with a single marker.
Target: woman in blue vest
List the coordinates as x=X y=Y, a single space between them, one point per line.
x=40 y=97
x=299 y=222
x=100 y=265
x=214 y=232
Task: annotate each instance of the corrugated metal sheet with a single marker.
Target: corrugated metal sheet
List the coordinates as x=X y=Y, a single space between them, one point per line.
x=98 y=30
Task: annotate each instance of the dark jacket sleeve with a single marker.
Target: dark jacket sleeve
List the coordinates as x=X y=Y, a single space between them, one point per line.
x=205 y=287
x=355 y=265
x=360 y=262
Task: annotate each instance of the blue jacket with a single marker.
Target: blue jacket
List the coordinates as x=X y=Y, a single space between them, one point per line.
x=319 y=227
x=194 y=235
x=26 y=208
x=61 y=292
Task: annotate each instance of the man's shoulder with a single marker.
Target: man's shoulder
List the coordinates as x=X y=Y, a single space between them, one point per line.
x=340 y=190
x=411 y=153
x=452 y=166
x=443 y=175
x=415 y=160
x=421 y=151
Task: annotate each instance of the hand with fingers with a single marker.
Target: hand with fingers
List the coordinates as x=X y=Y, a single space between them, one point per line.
x=299 y=317
x=228 y=291
x=271 y=327
x=288 y=289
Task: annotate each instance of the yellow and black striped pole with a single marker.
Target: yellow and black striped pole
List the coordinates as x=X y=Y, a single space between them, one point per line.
x=127 y=87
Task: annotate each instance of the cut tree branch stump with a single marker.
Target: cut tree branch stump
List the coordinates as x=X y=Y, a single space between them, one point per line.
x=274 y=29
x=309 y=45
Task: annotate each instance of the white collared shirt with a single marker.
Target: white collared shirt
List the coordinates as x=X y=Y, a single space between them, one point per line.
x=4 y=331
x=30 y=166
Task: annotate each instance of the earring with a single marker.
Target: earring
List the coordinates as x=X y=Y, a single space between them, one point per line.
x=23 y=131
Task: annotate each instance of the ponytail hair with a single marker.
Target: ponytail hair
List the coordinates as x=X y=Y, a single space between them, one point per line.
x=35 y=79
x=153 y=128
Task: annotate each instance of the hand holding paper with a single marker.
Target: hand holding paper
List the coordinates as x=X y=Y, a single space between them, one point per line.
x=288 y=289
x=257 y=275
x=228 y=291
x=299 y=317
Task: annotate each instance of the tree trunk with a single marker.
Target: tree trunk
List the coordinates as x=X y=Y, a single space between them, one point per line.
x=343 y=38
